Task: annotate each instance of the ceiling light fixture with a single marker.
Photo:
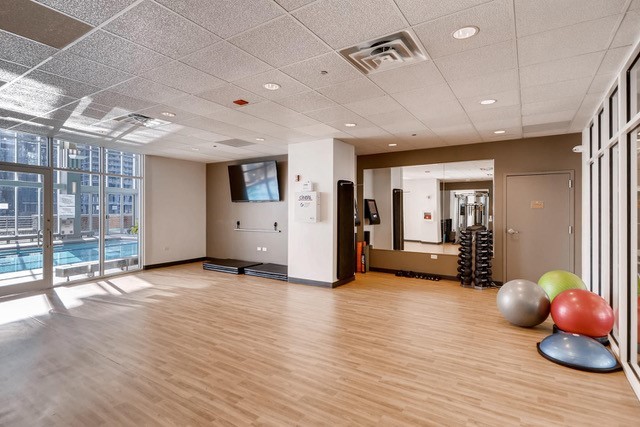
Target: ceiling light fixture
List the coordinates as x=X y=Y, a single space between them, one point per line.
x=259 y=139
x=465 y=32
x=271 y=86
x=499 y=132
x=168 y=114
x=195 y=148
x=393 y=145
x=350 y=125
x=488 y=101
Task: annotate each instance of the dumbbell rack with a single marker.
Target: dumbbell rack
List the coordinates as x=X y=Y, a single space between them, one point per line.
x=483 y=254
x=474 y=259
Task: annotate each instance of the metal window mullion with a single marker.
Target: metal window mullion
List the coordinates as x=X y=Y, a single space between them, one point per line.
x=102 y=207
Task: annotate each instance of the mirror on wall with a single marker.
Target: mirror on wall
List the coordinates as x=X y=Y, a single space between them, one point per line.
x=423 y=208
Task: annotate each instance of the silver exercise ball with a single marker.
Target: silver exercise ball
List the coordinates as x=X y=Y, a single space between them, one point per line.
x=523 y=303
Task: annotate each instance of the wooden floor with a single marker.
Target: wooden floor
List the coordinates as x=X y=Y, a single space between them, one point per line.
x=183 y=346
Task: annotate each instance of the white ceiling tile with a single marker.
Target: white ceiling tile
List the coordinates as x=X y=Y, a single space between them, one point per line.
x=552 y=106
x=398 y=122
x=503 y=99
x=309 y=72
x=408 y=78
x=278 y=114
x=566 y=42
x=293 y=4
x=544 y=15
x=157 y=113
x=444 y=114
x=29 y=100
x=280 y=42
x=147 y=90
x=319 y=130
x=335 y=114
x=560 y=70
x=223 y=17
x=194 y=104
x=550 y=91
x=495 y=19
x=225 y=61
x=368 y=132
x=10 y=71
x=417 y=11
x=118 y=53
x=288 y=86
x=601 y=83
x=351 y=91
x=343 y=24
x=23 y=51
x=613 y=59
x=93 y=12
x=84 y=70
x=478 y=62
x=157 y=28
x=627 y=33
x=495 y=114
x=373 y=106
x=225 y=95
x=183 y=77
x=501 y=123
x=307 y=101
x=487 y=84
x=58 y=85
x=426 y=98
x=557 y=116
x=116 y=100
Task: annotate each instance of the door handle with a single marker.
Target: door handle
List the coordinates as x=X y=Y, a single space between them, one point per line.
x=512 y=231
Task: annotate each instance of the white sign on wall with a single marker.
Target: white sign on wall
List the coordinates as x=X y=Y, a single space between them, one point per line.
x=307 y=206
x=66 y=205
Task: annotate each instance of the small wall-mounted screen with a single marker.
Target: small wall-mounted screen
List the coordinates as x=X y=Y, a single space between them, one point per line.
x=371 y=211
x=254 y=182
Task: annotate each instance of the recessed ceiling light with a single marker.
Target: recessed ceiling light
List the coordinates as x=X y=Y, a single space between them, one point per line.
x=259 y=139
x=350 y=125
x=499 y=132
x=488 y=101
x=393 y=145
x=168 y=114
x=271 y=86
x=465 y=32
x=195 y=148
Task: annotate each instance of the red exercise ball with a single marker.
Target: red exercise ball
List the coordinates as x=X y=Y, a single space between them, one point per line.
x=582 y=312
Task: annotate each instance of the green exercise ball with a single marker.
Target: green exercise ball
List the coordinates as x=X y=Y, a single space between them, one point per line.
x=556 y=281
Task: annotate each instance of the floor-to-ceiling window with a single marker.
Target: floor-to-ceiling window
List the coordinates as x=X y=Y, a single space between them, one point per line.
x=612 y=243
x=68 y=211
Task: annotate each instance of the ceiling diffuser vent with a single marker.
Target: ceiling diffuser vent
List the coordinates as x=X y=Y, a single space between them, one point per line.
x=237 y=143
x=141 y=120
x=384 y=53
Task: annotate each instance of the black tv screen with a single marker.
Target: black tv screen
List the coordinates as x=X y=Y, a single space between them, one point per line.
x=254 y=182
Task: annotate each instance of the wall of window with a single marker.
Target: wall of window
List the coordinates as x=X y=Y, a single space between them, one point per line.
x=611 y=245
x=96 y=208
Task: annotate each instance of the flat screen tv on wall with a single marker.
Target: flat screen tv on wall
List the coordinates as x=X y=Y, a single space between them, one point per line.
x=254 y=182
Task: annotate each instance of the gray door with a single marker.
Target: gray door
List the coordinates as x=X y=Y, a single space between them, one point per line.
x=538 y=225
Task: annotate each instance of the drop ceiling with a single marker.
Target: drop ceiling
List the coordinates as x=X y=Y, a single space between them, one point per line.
x=547 y=63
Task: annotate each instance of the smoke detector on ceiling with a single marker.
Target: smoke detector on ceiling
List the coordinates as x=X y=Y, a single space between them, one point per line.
x=384 y=53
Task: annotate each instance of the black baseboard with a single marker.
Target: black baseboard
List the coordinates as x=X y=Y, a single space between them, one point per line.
x=172 y=263
x=390 y=271
x=335 y=284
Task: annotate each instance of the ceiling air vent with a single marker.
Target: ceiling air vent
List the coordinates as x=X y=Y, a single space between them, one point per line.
x=237 y=143
x=141 y=120
x=384 y=53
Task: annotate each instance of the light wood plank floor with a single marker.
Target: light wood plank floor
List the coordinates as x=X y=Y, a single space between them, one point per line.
x=183 y=346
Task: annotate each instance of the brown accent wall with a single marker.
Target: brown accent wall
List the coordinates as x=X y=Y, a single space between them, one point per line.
x=544 y=154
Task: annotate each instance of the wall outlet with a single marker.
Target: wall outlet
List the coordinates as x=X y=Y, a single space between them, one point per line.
x=434 y=256
x=258 y=248
x=264 y=249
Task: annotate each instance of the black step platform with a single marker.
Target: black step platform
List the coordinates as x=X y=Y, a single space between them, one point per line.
x=233 y=266
x=268 y=271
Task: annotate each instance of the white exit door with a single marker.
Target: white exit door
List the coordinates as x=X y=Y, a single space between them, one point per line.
x=539 y=225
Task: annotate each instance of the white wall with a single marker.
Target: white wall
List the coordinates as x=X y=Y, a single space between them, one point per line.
x=312 y=246
x=174 y=210
x=421 y=195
